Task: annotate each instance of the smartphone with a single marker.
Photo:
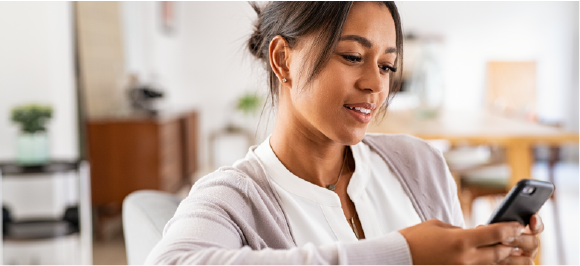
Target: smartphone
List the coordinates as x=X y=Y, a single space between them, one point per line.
x=524 y=200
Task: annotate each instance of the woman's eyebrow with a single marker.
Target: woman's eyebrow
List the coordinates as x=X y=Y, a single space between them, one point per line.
x=391 y=50
x=364 y=42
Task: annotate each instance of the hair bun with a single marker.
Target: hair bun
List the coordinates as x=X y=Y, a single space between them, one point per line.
x=255 y=44
x=256 y=40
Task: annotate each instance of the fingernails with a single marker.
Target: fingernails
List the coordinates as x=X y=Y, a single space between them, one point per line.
x=522 y=230
x=508 y=241
x=515 y=251
x=537 y=226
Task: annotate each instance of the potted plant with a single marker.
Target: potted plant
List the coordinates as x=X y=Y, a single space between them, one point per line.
x=249 y=103
x=246 y=108
x=232 y=142
x=32 y=141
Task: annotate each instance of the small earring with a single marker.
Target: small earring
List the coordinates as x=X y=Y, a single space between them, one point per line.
x=284 y=80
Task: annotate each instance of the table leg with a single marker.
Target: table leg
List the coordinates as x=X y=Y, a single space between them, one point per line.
x=520 y=160
x=554 y=158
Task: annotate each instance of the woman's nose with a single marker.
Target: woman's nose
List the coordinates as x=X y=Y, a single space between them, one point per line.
x=371 y=79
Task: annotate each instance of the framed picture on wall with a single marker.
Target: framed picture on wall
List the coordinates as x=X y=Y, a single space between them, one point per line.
x=167 y=16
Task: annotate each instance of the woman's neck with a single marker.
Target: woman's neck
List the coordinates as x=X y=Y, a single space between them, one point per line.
x=305 y=152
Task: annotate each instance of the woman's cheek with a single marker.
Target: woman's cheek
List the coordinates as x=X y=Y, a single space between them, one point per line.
x=384 y=95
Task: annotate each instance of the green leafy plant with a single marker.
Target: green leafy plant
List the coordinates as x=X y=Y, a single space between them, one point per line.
x=32 y=118
x=249 y=103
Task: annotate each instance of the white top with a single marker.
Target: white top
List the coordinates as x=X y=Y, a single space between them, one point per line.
x=315 y=214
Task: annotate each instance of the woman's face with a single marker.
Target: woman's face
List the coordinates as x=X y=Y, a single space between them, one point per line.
x=341 y=101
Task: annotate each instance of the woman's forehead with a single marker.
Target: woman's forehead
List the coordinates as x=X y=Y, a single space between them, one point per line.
x=373 y=21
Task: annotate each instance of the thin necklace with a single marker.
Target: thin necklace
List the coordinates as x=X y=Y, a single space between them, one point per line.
x=332 y=187
x=351 y=220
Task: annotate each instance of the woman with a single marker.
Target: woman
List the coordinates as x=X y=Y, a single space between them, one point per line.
x=319 y=190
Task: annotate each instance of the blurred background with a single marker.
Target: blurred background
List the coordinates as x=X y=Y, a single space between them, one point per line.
x=100 y=99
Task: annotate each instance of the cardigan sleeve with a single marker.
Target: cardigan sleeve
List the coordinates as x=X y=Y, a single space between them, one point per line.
x=454 y=206
x=225 y=222
x=186 y=247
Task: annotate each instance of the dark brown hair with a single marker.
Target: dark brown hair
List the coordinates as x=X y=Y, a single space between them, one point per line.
x=293 y=20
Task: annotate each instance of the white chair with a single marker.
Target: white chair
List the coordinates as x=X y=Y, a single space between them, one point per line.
x=145 y=213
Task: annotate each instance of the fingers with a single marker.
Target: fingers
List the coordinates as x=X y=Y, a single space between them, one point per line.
x=527 y=243
x=517 y=260
x=494 y=233
x=491 y=254
x=536 y=224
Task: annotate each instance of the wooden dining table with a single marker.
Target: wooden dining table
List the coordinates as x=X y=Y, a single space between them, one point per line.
x=518 y=136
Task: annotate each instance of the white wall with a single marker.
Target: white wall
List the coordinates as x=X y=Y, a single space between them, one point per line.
x=36 y=65
x=573 y=122
x=217 y=66
x=202 y=65
x=150 y=52
x=477 y=32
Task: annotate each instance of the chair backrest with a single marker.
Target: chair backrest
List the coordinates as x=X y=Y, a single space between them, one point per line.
x=511 y=88
x=145 y=213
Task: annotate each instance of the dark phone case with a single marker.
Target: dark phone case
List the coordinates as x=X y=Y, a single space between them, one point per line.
x=520 y=207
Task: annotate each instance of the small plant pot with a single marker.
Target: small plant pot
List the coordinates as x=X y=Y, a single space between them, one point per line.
x=32 y=148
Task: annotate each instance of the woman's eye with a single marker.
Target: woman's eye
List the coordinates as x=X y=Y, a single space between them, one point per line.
x=387 y=69
x=352 y=58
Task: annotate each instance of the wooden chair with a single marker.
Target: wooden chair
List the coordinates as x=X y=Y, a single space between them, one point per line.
x=510 y=91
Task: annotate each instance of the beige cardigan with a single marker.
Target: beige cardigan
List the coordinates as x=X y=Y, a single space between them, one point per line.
x=233 y=215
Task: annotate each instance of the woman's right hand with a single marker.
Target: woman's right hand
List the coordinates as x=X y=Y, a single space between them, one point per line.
x=435 y=242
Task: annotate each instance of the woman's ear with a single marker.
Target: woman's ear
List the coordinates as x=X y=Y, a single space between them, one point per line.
x=280 y=58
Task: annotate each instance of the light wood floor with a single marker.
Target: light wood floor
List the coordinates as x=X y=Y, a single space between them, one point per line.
x=110 y=252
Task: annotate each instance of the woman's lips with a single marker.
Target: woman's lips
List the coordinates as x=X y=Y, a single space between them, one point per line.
x=361 y=111
x=371 y=106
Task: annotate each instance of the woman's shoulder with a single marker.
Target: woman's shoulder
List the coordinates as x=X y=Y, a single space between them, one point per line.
x=399 y=143
x=243 y=176
x=239 y=196
x=225 y=176
x=245 y=182
x=422 y=171
x=406 y=138
x=223 y=190
x=407 y=154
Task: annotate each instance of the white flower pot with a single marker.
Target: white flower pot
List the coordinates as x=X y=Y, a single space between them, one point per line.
x=32 y=148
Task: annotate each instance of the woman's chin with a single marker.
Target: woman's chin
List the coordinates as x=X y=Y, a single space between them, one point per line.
x=353 y=136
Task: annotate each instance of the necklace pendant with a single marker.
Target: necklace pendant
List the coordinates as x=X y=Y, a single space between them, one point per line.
x=331 y=187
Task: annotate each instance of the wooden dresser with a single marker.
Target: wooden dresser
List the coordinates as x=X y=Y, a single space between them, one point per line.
x=134 y=153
